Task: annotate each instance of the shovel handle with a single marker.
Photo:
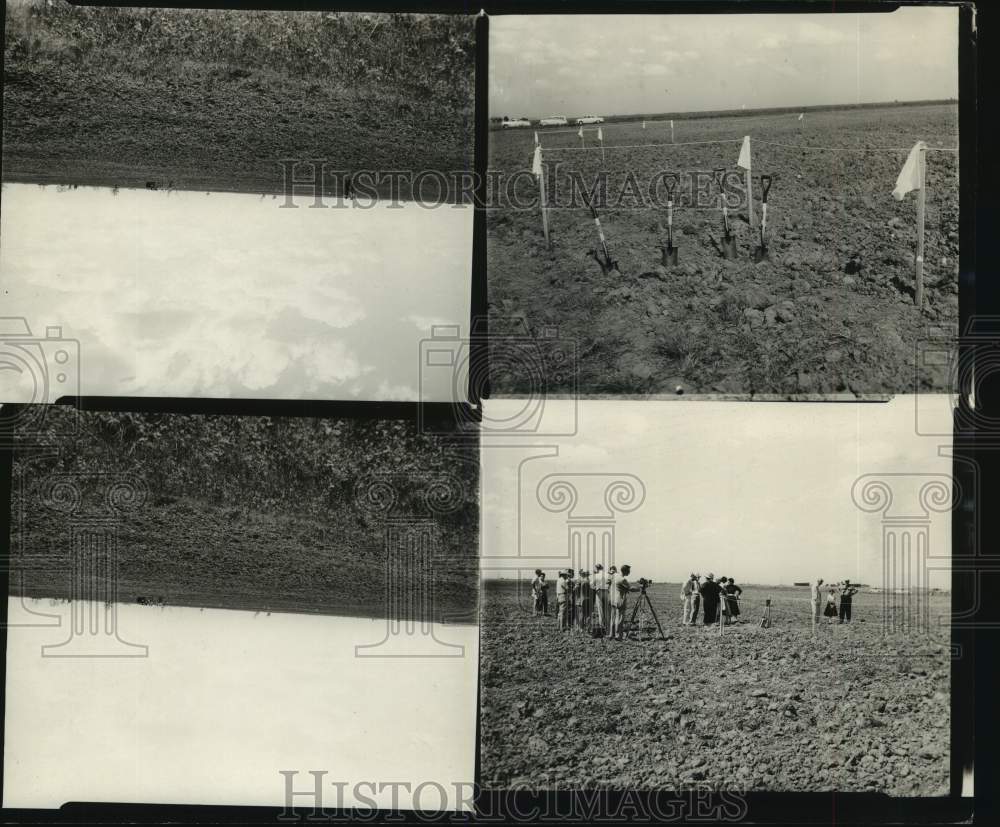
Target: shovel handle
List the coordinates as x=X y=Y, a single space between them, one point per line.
x=765 y=187
x=719 y=174
x=670 y=182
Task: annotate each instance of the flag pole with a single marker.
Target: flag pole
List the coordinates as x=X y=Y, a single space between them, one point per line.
x=545 y=203
x=918 y=297
x=671 y=130
x=749 y=192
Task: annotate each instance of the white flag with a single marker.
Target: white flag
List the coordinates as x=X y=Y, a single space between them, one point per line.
x=643 y=124
x=909 y=176
x=580 y=133
x=744 y=160
x=536 y=139
x=600 y=136
x=536 y=162
x=800 y=115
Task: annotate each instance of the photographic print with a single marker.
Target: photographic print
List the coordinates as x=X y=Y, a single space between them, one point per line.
x=237 y=204
x=200 y=603
x=756 y=598
x=737 y=204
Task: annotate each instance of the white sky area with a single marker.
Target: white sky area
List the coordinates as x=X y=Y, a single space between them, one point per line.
x=224 y=700
x=758 y=491
x=228 y=295
x=624 y=64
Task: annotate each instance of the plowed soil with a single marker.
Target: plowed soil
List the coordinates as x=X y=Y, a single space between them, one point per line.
x=851 y=708
x=832 y=312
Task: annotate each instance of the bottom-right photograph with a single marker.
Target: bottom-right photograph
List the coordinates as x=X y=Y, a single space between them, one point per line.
x=743 y=596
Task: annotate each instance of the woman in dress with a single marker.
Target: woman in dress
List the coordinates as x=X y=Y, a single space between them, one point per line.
x=831 y=605
x=733 y=593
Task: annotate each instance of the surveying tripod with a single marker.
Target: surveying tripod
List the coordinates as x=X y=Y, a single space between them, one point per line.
x=644 y=600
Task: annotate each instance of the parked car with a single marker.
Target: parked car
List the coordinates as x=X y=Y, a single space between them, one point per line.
x=514 y=123
x=589 y=119
x=554 y=120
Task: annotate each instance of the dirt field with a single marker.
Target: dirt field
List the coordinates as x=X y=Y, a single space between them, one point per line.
x=755 y=709
x=832 y=312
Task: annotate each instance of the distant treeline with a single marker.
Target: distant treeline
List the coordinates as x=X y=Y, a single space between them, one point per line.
x=775 y=110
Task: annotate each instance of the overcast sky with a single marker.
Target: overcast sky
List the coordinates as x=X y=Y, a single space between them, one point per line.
x=758 y=491
x=622 y=64
x=226 y=295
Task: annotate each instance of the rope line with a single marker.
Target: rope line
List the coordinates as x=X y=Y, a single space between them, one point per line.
x=851 y=149
x=752 y=141
x=638 y=146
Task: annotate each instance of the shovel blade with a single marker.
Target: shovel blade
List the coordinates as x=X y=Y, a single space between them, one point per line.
x=669 y=256
x=728 y=247
x=761 y=254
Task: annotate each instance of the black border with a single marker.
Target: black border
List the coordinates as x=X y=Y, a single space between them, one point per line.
x=972 y=697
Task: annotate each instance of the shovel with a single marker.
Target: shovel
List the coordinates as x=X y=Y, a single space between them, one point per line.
x=728 y=243
x=761 y=253
x=670 y=251
x=607 y=263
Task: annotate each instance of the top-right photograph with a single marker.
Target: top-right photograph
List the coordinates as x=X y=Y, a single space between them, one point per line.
x=737 y=205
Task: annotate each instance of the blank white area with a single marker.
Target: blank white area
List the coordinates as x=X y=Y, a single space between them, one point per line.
x=230 y=295
x=762 y=491
x=226 y=699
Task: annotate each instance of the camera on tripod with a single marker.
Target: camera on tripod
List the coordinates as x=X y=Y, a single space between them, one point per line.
x=643 y=583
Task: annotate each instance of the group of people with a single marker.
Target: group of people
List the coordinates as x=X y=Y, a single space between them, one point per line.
x=596 y=604
x=845 y=590
x=710 y=597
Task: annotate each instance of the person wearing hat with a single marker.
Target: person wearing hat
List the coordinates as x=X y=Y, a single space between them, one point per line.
x=687 y=597
x=846 y=593
x=620 y=587
x=584 y=600
x=696 y=599
x=600 y=583
x=562 y=601
x=817 y=598
x=710 y=599
x=539 y=590
x=570 y=598
x=733 y=594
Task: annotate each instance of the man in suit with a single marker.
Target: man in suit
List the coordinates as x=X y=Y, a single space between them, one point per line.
x=602 y=605
x=584 y=600
x=817 y=599
x=845 y=601
x=562 y=601
x=620 y=587
x=687 y=596
x=710 y=599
